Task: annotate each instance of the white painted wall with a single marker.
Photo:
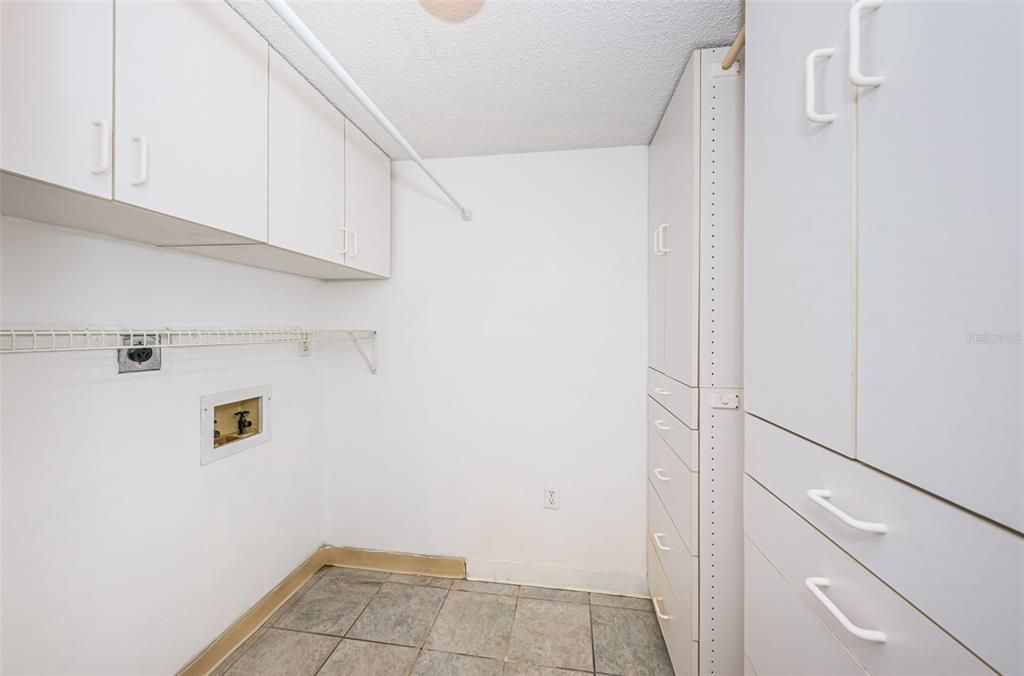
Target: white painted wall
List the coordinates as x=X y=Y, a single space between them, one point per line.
x=512 y=355
x=120 y=553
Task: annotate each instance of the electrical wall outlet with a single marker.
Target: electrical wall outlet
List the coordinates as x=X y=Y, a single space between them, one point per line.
x=551 y=499
x=305 y=349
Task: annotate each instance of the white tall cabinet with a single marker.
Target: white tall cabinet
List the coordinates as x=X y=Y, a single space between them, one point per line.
x=884 y=364
x=694 y=402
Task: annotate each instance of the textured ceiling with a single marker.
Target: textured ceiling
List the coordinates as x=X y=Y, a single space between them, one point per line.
x=517 y=76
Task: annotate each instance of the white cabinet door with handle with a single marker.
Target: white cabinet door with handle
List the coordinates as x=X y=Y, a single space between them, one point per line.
x=941 y=250
x=657 y=251
x=367 y=204
x=57 y=82
x=307 y=167
x=799 y=237
x=191 y=135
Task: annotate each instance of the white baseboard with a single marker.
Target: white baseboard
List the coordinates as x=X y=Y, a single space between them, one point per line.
x=560 y=577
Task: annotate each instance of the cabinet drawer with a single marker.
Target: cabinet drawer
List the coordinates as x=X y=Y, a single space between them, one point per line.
x=676 y=485
x=781 y=634
x=680 y=400
x=959 y=570
x=911 y=643
x=673 y=617
x=671 y=546
x=680 y=438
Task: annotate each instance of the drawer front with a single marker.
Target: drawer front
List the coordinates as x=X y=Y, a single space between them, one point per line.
x=673 y=617
x=781 y=634
x=676 y=486
x=679 y=399
x=909 y=643
x=678 y=436
x=676 y=559
x=961 y=571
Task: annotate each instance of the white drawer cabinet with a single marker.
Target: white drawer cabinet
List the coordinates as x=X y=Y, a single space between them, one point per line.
x=307 y=167
x=677 y=486
x=57 y=61
x=191 y=106
x=367 y=204
x=674 y=617
x=961 y=571
x=883 y=632
x=677 y=398
x=679 y=564
x=782 y=636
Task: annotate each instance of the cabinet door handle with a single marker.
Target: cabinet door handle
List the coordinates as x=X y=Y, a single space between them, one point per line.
x=104 y=163
x=660 y=424
x=659 y=240
x=657 y=608
x=857 y=77
x=815 y=584
x=657 y=542
x=809 y=88
x=354 y=251
x=664 y=393
x=143 y=160
x=660 y=473
x=818 y=495
x=344 y=241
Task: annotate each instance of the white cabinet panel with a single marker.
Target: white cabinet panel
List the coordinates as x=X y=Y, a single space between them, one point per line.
x=191 y=133
x=57 y=81
x=679 y=399
x=367 y=203
x=677 y=487
x=799 y=231
x=960 y=570
x=941 y=252
x=680 y=438
x=307 y=167
x=674 y=616
x=912 y=644
x=781 y=635
x=656 y=257
x=681 y=124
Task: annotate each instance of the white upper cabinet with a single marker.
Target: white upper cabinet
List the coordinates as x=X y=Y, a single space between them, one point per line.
x=191 y=105
x=799 y=233
x=940 y=235
x=367 y=204
x=656 y=252
x=57 y=83
x=682 y=234
x=307 y=167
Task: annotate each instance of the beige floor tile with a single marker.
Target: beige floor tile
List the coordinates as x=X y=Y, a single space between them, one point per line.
x=421 y=580
x=612 y=601
x=399 y=613
x=564 y=595
x=552 y=634
x=473 y=624
x=331 y=606
x=284 y=653
x=486 y=587
x=432 y=663
x=628 y=642
x=360 y=658
x=523 y=669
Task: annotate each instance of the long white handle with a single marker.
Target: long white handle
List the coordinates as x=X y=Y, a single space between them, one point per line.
x=809 y=88
x=659 y=240
x=857 y=77
x=819 y=495
x=660 y=424
x=354 y=251
x=815 y=584
x=344 y=241
x=657 y=542
x=104 y=163
x=660 y=473
x=657 y=608
x=143 y=160
x=664 y=393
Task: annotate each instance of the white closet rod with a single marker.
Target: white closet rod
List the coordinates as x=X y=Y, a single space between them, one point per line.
x=300 y=29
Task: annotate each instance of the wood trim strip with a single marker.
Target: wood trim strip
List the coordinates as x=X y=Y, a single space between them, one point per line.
x=327 y=555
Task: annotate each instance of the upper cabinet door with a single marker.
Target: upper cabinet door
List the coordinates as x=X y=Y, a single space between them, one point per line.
x=799 y=230
x=307 y=167
x=191 y=136
x=367 y=204
x=682 y=213
x=656 y=255
x=57 y=82
x=941 y=170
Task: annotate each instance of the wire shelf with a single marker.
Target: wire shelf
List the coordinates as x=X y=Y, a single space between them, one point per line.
x=17 y=341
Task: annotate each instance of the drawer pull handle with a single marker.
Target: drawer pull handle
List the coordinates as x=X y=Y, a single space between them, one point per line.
x=660 y=424
x=657 y=608
x=657 y=542
x=809 y=93
x=857 y=77
x=815 y=584
x=104 y=164
x=818 y=495
x=143 y=176
x=664 y=393
x=660 y=473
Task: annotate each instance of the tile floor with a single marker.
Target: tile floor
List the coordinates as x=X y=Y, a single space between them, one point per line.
x=347 y=621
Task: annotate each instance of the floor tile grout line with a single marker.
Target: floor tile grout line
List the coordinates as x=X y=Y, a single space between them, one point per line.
x=593 y=643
